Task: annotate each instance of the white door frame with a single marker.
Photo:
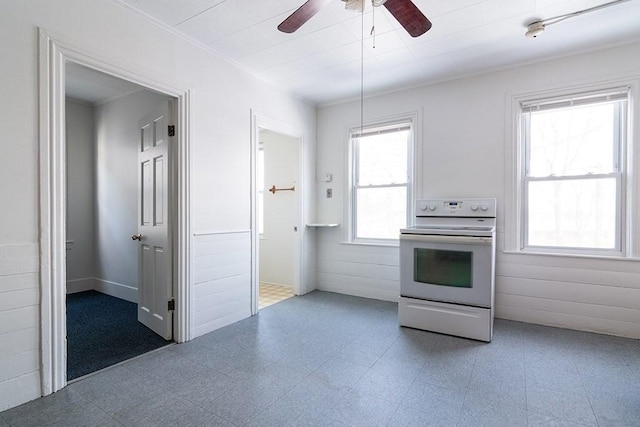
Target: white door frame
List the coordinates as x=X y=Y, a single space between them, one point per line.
x=262 y=122
x=53 y=55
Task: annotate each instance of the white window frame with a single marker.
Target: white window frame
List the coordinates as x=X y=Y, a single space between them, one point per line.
x=627 y=244
x=351 y=214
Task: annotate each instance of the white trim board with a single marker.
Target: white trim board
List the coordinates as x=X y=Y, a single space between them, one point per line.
x=117 y=290
x=80 y=285
x=53 y=55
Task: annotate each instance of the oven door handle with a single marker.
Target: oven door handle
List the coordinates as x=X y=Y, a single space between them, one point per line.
x=461 y=240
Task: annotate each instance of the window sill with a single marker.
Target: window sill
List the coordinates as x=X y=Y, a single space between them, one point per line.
x=378 y=244
x=578 y=256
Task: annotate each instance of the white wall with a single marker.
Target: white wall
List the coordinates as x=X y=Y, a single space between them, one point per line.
x=277 y=244
x=117 y=138
x=222 y=270
x=80 y=196
x=465 y=132
x=222 y=98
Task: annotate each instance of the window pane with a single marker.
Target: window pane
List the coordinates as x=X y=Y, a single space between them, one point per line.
x=382 y=212
x=382 y=159
x=573 y=213
x=573 y=140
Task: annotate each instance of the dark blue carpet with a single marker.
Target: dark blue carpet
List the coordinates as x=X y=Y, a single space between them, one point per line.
x=102 y=331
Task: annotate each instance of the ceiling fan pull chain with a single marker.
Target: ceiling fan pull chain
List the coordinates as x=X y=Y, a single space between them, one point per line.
x=373 y=26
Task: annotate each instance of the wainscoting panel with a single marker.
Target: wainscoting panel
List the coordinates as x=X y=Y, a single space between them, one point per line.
x=19 y=325
x=222 y=279
x=359 y=270
x=591 y=294
x=597 y=295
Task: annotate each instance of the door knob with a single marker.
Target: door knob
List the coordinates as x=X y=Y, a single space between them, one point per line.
x=136 y=237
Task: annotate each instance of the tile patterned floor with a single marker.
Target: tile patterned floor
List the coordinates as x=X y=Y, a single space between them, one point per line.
x=271 y=294
x=331 y=360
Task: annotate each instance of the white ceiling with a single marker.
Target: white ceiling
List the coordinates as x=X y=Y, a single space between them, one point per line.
x=321 y=61
x=94 y=87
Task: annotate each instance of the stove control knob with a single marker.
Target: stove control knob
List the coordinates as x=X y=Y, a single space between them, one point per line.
x=432 y=207
x=474 y=207
x=423 y=206
x=484 y=208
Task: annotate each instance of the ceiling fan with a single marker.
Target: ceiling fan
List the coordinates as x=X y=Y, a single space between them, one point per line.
x=405 y=12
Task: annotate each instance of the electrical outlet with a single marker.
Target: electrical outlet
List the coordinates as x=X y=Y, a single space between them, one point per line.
x=329 y=193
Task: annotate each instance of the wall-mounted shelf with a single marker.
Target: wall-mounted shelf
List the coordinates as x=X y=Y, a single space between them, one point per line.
x=323 y=225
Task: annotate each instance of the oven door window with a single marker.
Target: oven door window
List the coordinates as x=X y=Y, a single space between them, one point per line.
x=443 y=267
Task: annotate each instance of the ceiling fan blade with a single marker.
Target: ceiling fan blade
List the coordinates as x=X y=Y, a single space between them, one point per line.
x=301 y=15
x=409 y=16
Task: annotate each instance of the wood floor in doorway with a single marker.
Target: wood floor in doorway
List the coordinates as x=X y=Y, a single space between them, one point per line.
x=271 y=294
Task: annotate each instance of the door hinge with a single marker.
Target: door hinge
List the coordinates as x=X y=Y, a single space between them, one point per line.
x=171 y=305
x=172 y=130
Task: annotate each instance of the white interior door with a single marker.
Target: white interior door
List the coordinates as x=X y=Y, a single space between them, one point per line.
x=154 y=254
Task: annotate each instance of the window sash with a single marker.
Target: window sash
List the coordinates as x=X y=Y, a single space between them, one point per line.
x=380 y=130
x=617 y=176
x=619 y=130
x=356 y=154
x=402 y=184
x=357 y=227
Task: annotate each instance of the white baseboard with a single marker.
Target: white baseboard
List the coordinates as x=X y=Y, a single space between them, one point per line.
x=359 y=291
x=80 y=285
x=117 y=290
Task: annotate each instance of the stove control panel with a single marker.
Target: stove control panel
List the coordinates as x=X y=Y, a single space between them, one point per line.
x=456 y=207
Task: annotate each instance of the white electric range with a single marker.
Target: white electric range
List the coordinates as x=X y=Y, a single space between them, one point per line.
x=447 y=268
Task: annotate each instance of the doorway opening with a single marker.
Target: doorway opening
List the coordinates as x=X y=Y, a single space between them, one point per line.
x=118 y=180
x=277 y=198
x=54 y=58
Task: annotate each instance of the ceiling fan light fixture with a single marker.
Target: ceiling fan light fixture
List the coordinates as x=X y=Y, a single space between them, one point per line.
x=356 y=5
x=404 y=11
x=534 y=29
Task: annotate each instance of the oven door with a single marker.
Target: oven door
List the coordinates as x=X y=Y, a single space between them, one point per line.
x=455 y=269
